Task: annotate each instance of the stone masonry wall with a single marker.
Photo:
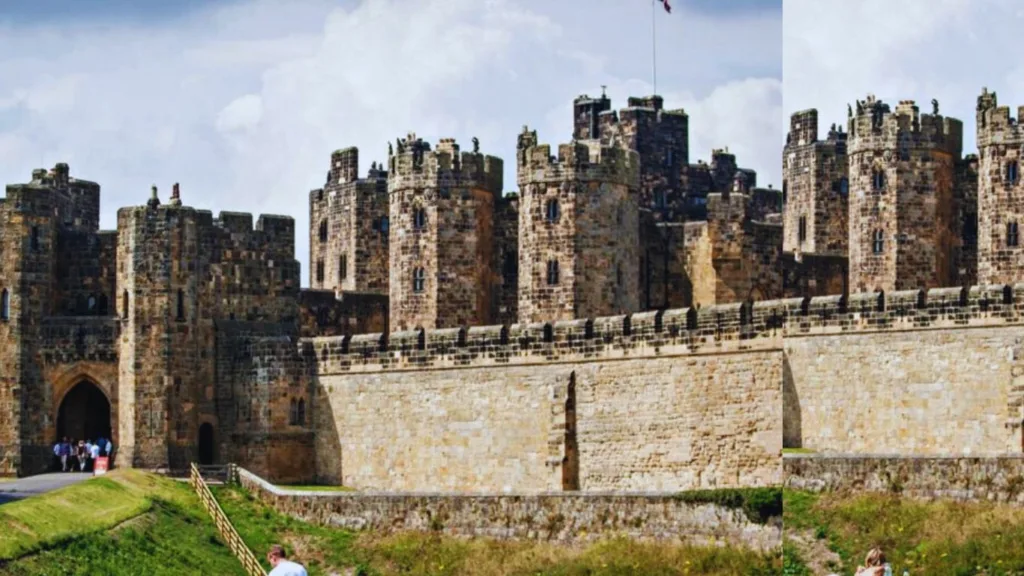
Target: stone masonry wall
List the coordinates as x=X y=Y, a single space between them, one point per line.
x=815 y=180
x=565 y=518
x=999 y=479
x=921 y=373
x=669 y=401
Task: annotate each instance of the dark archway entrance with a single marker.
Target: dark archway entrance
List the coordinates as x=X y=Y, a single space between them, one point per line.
x=84 y=413
x=206 y=444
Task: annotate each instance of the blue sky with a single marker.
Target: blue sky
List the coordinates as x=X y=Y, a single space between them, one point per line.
x=906 y=50
x=243 y=101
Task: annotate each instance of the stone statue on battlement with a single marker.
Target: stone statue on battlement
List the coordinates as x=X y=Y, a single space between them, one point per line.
x=476 y=145
x=391 y=150
x=935 y=106
x=849 y=110
x=401 y=145
x=154 y=200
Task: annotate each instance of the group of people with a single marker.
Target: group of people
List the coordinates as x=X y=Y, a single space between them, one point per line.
x=82 y=455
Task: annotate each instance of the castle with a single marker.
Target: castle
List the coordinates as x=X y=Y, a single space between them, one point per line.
x=895 y=197
x=186 y=337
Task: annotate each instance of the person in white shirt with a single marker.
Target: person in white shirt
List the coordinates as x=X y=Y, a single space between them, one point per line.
x=283 y=566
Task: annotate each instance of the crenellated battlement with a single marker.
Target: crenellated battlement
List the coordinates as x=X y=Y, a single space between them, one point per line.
x=414 y=165
x=995 y=124
x=709 y=330
x=585 y=161
x=875 y=127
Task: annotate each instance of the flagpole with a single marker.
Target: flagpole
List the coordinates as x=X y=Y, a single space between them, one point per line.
x=654 y=46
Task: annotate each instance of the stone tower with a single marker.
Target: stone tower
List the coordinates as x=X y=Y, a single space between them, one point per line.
x=442 y=245
x=1000 y=192
x=579 y=244
x=348 y=232
x=815 y=186
x=659 y=136
x=903 y=232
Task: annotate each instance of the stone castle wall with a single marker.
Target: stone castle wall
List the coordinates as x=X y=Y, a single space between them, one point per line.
x=816 y=185
x=564 y=518
x=999 y=198
x=986 y=479
x=910 y=372
x=674 y=400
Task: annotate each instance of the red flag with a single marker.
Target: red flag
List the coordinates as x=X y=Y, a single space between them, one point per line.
x=668 y=8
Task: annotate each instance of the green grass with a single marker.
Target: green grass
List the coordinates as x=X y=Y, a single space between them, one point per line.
x=152 y=526
x=797 y=451
x=130 y=523
x=942 y=537
x=93 y=505
x=759 y=504
x=325 y=550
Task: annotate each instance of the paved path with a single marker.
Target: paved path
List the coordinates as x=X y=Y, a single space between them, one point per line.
x=34 y=485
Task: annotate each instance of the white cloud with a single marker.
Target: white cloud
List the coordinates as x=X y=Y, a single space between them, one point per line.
x=243 y=104
x=836 y=51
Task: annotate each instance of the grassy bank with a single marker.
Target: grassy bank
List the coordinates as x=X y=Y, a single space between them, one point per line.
x=126 y=523
x=131 y=523
x=326 y=550
x=835 y=531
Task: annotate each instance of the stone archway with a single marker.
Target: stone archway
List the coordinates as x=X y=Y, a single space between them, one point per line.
x=84 y=412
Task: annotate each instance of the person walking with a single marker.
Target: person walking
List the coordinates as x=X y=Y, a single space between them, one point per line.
x=83 y=455
x=283 y=566
x=65 y=453
x=56 y=455
x=108 y=451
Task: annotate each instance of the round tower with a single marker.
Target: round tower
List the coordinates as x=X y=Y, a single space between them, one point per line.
x=579 y=230
x=1000 y=193
x=441 y=210
x=902 y=229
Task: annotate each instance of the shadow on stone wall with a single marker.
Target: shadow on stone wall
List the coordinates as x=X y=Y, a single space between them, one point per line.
x=792 y=430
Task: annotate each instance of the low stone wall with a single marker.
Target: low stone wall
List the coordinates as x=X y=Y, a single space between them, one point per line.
x=996 y=478
x=559 y=517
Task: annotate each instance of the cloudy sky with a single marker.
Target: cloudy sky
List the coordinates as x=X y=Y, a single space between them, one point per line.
x=836 y=51
x=243 y=101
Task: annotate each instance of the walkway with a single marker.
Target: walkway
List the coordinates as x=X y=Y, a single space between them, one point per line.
x=39 y=484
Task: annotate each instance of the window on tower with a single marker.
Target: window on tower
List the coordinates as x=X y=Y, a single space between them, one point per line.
x=552 y=272
x=319 y=270
x=878 y=180
x=552 y=210
x=802 y=229
x=323 y=230
x=844 y=186
x=1011 y=172
x=878 y=242
x=419 y=218
x=5 y=305
x=419 y=280
x=343 y=267
x=1012 y=236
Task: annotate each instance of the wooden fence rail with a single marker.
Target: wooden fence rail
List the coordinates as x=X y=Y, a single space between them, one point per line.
x=227 y=530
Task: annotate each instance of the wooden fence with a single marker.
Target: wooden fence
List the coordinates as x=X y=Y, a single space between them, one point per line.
x=227 y=530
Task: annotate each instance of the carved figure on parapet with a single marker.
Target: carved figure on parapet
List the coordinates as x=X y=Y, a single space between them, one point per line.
x=849 y=110
x=391 y=150
x=476 y=145
x=935 y=106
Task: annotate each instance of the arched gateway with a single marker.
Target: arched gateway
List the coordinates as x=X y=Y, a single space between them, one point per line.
x=84 y=413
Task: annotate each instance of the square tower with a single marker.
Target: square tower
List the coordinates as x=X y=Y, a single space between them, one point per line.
x=815 y=188
x=348 y=228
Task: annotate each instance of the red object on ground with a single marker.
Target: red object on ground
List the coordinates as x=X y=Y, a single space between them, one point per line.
x=100 y=467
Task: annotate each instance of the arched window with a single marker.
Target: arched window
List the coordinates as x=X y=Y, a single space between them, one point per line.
x=181 y=304
x=878 y=242
x=552 y=211
x=1011 y=172
x=1012 y=237
x=323 y=230
x=419 y=280
x=5 y=305
x=124 y=305
x=343 y=267
x=293 y=413
x=802 y=229
x=552 y=272
x=319 y=270
x=419 y=218
x=301 y=415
